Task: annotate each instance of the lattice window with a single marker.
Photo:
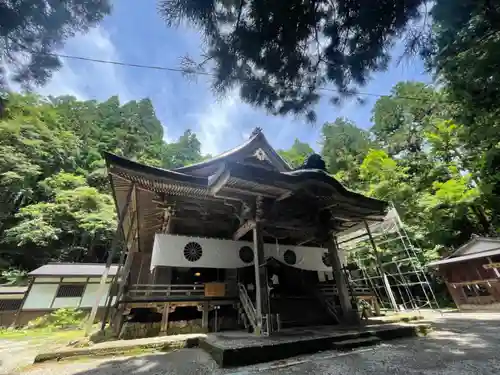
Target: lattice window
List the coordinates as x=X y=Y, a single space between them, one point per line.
x=476 y=290
x=10 y=304
x=70 y=290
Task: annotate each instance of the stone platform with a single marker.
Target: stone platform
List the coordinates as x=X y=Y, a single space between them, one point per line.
x=230 y=349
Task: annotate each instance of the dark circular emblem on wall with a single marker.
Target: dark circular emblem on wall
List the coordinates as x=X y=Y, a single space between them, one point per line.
x=326 y=260
x=246 y=254
x=290 y=257
x=193 y=251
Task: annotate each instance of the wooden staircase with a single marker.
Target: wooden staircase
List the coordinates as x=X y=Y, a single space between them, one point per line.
x=246 y=310
x=326 y=294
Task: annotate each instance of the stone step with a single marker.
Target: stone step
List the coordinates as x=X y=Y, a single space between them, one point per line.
x=356 y=342
x=241 y=349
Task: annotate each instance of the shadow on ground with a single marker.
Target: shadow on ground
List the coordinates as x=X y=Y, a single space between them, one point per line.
x=460 y=344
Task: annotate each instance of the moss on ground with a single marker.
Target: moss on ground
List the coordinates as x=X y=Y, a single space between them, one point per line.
x=39 y=334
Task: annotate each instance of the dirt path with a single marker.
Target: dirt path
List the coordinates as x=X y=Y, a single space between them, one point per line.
x=462 y=344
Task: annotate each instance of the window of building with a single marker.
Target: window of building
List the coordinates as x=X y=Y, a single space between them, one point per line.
x=10 y=304
x=469 y=291
x=70 y=290
x=482 y=290
x=476 y=290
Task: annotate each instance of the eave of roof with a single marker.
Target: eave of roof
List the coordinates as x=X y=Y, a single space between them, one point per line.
x=153 y=172
x=290 y=180
x=297 y=179
x=483 y=254
x=73 y=269
x=471 y=242
x=13 y=289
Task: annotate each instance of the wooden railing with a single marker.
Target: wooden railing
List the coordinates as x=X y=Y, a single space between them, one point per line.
x=248 y=306
x=330 y=290
x=164 y=290
x=327 y=301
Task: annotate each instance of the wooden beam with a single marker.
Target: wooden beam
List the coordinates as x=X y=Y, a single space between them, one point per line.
x=112 y=251
x=246 y=227
x=222 y=178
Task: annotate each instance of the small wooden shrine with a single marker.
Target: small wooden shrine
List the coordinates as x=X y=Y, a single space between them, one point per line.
x=240 y=240
x=472 y=274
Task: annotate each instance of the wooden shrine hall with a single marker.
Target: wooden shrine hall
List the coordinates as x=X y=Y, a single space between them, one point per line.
x=238 y=241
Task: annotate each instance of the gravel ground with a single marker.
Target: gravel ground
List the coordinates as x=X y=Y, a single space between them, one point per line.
x=460 y=344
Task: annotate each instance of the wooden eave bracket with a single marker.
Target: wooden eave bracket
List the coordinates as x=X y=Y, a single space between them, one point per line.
x=243 y=229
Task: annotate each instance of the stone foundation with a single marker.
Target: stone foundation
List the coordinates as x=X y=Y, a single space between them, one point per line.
x=133 y=330
x=185 y=326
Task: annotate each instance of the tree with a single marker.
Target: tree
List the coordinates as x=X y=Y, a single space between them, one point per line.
x=54 y=196
x=344 y=148
x=400 y=119
x=280 y=54
x=31 y=30
x=465 y=53
x=76 y=222
x=297 y=154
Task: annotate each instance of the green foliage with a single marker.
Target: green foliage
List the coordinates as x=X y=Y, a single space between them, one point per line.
x=31 y=30
x=14 y=276
x=442 y=178
x=59 y=319
x=399 y=119
x=297 y=154
x=344 y=148
x=465 y=53
x=55 y=201
x=281 y=53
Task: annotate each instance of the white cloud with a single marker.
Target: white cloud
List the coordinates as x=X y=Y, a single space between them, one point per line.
x=214 y=122
x=85 y=79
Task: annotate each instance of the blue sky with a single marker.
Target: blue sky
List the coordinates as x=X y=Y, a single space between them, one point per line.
x=135 y=33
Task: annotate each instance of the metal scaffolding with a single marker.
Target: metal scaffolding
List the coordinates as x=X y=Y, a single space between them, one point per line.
x=388 y=264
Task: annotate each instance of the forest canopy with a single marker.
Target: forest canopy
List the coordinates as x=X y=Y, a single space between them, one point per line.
x=55 y=200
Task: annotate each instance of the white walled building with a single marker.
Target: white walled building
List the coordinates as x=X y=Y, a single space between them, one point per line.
x=63 y=285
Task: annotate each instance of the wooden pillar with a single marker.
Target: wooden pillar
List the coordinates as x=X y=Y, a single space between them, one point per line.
x=453 y=293
x=348 y=313
x=19 y=311
x=261 y=287
x=114 y=246
x=164 y=321
x=204 y=318
x=122 y=268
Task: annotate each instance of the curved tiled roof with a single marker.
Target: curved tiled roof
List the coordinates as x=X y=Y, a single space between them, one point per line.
x=256 y=141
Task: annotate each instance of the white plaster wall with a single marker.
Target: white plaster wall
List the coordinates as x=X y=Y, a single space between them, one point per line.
x=90 y=295
x=68 y=302
x=40 y=296
x=168 y=250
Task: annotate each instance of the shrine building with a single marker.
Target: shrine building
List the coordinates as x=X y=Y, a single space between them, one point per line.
x=239 y=241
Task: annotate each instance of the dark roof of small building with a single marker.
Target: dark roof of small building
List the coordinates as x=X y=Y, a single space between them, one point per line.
x=468 y=251
x=73 y=269
x=13 y=289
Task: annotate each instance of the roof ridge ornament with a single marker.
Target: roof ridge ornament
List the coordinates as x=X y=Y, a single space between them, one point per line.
x=313 y=161
x=256 y=131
